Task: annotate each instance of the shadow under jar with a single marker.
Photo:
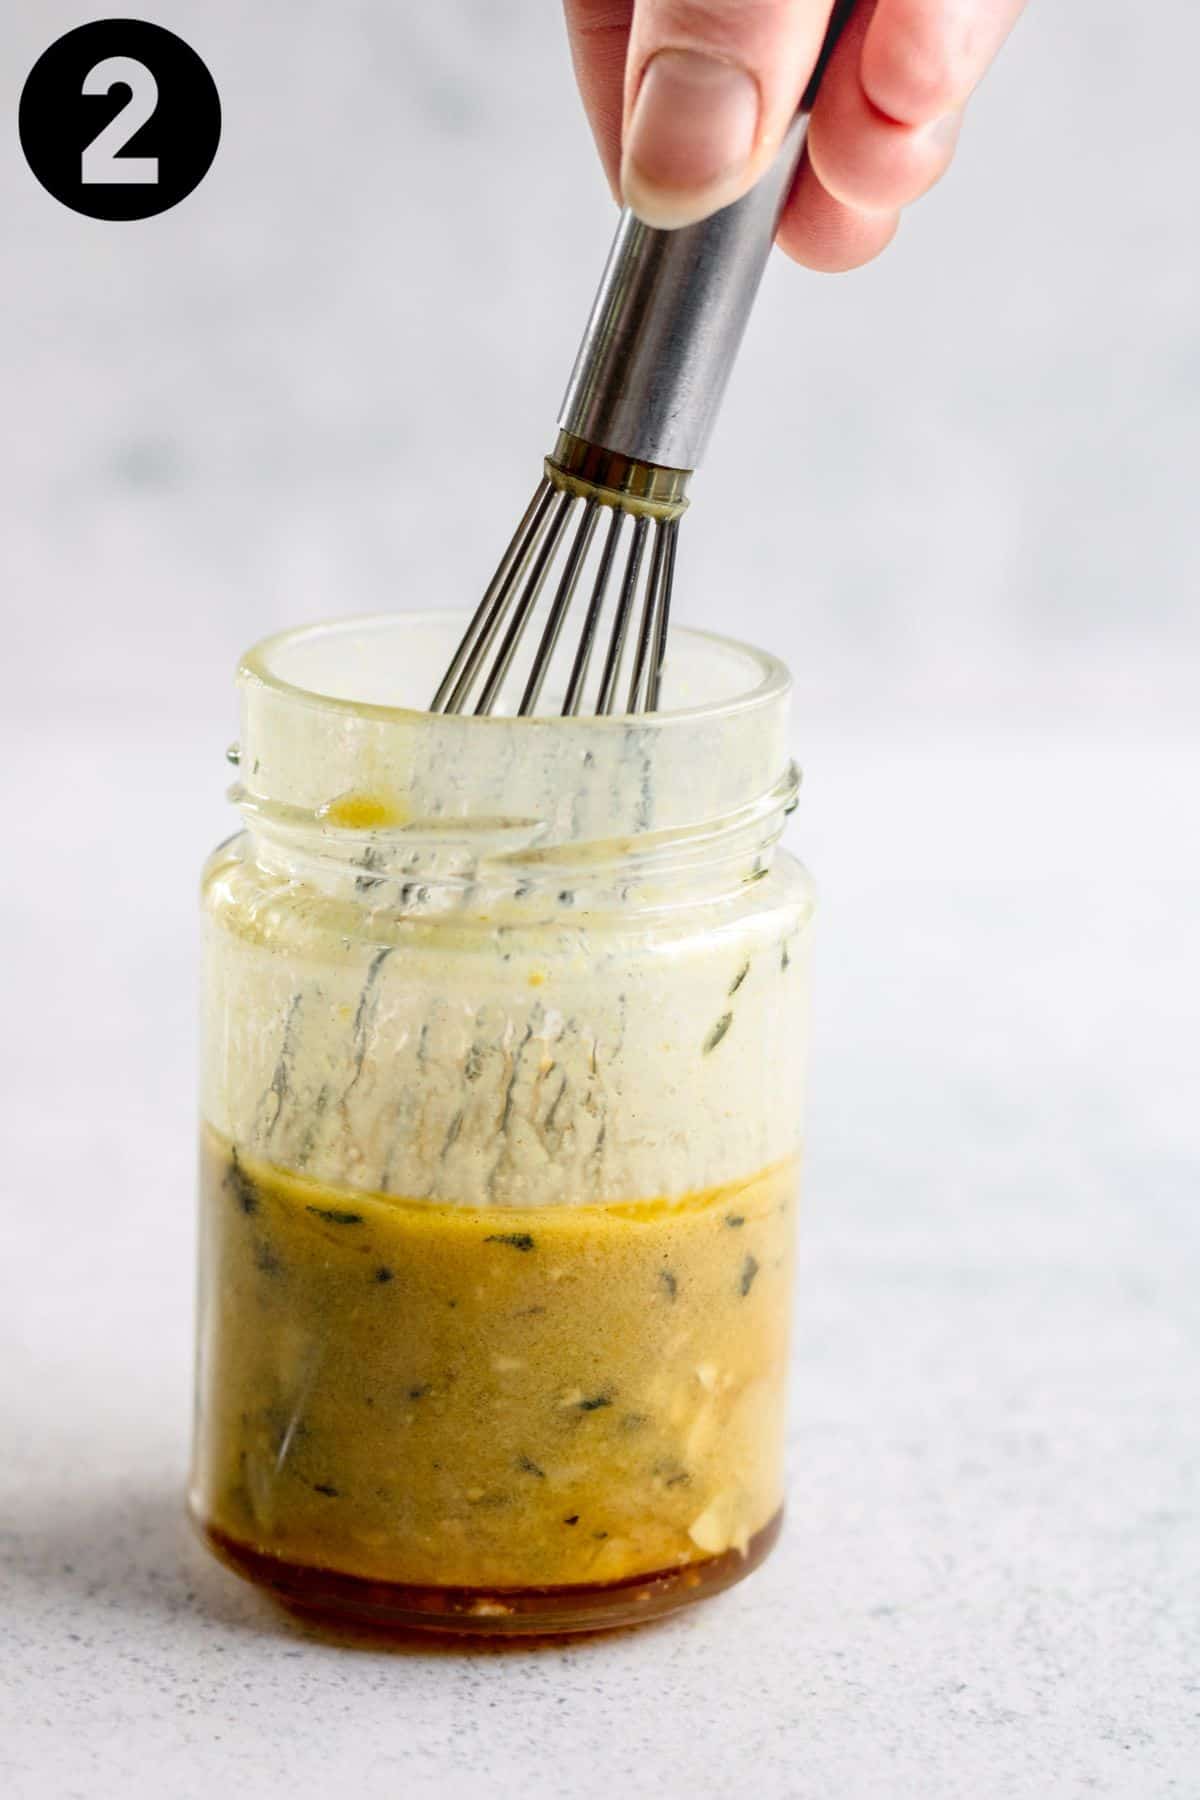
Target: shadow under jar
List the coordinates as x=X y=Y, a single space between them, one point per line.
x=503 y=1058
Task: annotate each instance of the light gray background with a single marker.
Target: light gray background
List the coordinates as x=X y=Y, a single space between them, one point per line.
x=957 y=492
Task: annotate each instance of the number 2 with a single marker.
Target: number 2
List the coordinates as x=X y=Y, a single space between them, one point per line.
x=100 y=160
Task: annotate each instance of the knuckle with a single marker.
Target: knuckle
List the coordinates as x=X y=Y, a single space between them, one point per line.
x=603 y=21
x=720 y=24
x=879 y=170
x=915 y=75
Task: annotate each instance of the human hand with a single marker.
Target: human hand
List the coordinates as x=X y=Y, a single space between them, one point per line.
x=689 y=99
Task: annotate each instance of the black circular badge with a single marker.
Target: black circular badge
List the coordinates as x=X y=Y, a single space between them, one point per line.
x=119 y=119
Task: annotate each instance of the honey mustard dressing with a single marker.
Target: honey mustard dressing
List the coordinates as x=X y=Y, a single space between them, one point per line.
x=489 y=1398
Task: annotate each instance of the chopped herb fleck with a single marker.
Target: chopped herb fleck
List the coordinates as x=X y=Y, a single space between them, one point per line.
x=452 y=1132
x=594 y=1403
x=516 y=1240
x=749 y=1271
x=599 y=1534
x=739 y=978
x=265 y=1259
x=419 y=1392
x=241 y=1186
x=528 y=1467
x=571 y=1519
x=370 y=859
x=733 y=1220
x=335 y=1215
x=324 y=1487
x=669 y=1283
x=384 y=1274
x=718 y=1032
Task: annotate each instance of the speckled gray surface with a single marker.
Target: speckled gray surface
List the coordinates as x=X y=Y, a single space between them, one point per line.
x=984 y=576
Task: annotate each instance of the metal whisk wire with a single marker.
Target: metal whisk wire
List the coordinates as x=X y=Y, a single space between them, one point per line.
x=511 y=599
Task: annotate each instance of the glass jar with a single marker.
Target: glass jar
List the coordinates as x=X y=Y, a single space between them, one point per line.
x=503 y=1051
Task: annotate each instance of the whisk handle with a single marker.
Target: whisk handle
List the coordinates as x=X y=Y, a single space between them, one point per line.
x=668 y=318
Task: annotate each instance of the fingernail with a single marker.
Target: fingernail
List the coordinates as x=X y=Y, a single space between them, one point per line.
x=693 y=128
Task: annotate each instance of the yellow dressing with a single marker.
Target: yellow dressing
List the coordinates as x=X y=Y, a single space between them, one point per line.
x=358 y=811
x=490 y=1397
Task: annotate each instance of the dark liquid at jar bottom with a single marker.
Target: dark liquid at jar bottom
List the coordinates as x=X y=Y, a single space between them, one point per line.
x=499 y=1612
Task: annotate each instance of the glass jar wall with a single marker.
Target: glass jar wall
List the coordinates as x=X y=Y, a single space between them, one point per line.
x=502 y=1069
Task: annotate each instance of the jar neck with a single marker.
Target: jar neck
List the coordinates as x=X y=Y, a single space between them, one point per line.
x=405 y=809
x=504 y=869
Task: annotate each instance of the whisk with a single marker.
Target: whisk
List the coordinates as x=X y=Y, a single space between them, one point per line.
x=648 y=379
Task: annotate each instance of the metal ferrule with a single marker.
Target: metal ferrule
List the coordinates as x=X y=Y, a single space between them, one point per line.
x=667 y=323
x=592 y=473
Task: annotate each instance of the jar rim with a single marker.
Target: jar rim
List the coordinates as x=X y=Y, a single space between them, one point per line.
x=319 y=731
x=773 y=684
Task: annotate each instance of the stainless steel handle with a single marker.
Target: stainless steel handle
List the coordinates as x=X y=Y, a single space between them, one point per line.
x=670 y=312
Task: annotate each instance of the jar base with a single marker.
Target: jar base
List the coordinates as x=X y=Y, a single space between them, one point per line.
x=488 y=1612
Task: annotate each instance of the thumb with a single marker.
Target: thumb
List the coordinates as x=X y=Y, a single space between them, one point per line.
x=710 y=88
